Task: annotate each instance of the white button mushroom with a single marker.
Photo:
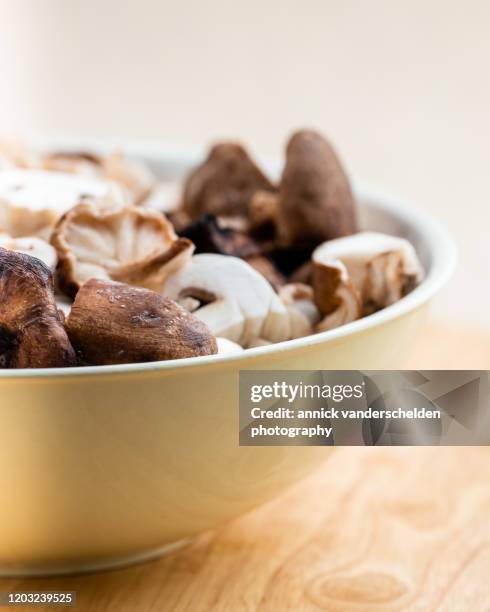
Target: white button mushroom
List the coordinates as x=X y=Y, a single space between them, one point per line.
x=227 y=347
x=235 y=298
x=63 y=304
x=277 y=324
x=304 y=314
x=382 y=268
x=235 y=301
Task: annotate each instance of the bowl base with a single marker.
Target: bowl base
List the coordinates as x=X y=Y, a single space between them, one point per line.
x=101 y=565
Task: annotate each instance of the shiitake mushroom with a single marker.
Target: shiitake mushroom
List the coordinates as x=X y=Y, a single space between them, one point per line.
x=31 y=330
x=111 y=323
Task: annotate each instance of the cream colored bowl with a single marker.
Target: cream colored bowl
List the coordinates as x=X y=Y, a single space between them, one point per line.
x=102 y=466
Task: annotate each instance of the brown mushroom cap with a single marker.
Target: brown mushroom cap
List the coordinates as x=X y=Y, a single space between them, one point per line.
x=225 y=183
x=316 y=201
x=131 y=245
x=31 y=332
x=112 y=323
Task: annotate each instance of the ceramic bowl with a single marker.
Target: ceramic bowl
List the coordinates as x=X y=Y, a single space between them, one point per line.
x=103 y=466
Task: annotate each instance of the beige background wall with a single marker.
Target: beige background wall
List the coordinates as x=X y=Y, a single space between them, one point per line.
x=402 y=87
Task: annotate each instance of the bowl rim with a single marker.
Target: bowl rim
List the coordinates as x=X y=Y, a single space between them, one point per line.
x=441 y=250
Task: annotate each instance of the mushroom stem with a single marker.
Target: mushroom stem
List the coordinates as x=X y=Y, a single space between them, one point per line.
x=334 y=294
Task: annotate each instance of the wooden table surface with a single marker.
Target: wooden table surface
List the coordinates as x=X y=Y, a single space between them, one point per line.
x=374 y=529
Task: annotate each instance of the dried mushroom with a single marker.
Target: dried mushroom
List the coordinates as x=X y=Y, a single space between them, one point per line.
x=273 y=262
x=30 y=245
x=31 y=332
x=224 y=183
x=263 y=211
x=133 y=176
x=269 y=271
x=382 y=268
x=316 y=201
x=113 y=323
x=234 y=222
x=303 y=274
x=259 y=343
x=280 y=324
x=288 y=259
x=334 y=294
x=74 y=162
x=210 y=236
x=131 y=245
x=32 y=201
x=179 y=219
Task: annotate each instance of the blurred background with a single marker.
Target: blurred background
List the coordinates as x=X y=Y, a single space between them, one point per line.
x=402 y=88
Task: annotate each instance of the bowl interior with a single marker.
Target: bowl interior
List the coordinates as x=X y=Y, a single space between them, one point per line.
x=378 y=212
x=375 y=211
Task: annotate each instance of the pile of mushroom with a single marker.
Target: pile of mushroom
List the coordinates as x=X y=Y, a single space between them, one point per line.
x=102 y=264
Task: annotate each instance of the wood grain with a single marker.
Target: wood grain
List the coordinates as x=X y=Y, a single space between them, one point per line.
x=440 y=347
x=375 y=529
